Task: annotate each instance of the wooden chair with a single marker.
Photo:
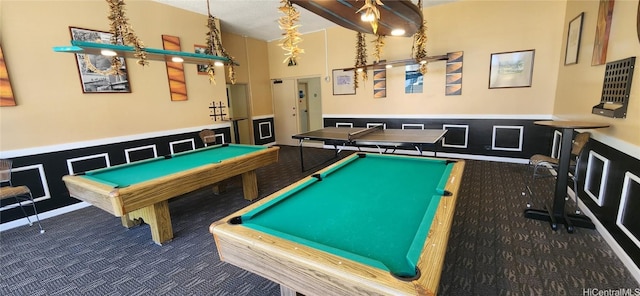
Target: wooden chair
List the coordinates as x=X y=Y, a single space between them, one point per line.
x=540 y=161
x=207 y=136
x=19 y=193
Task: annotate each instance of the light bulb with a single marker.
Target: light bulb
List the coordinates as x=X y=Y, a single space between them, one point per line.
x=367 y=17
x=397 y=32
x=108 y=52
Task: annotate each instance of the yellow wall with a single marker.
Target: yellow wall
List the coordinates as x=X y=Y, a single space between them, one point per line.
x=580 y=85
x=53 y=110
x=260 y=86
x=252 y=56
x=478 y=28
x=51 y=106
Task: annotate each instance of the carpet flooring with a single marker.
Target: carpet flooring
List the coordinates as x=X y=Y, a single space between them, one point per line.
x=492 y=249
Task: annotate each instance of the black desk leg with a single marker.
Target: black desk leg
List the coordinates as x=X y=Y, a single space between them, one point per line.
x=556 y=214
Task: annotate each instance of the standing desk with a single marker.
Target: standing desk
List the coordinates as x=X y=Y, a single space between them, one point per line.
x=556 y=214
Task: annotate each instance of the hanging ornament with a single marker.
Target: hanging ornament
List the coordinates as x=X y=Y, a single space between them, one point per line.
x=122 y=33
x=291 y=36
x=420 y=43
x=361 y=59
x=379 y=46
x=371 y=13
x=214 y=47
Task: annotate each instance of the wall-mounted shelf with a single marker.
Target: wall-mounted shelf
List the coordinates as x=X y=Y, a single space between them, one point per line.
x=383 y=64
x=78 y=46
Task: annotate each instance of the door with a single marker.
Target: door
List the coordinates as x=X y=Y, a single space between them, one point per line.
x=285 y=111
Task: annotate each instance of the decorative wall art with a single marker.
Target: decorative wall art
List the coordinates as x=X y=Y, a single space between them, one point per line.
x=202 y=68
x=175 y=70
x=511 y=69
x=6 y=92
x=605 y=13
x=574 y=34
x=97 y=73
x=380 y=83
x=343 y=82
x=454 y=74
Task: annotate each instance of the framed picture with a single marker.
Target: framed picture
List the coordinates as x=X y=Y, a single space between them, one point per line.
x=93 y=69
x=511 y=69
x=573 y=40
x=202 y=68
x=343 y=82
x=413 y=79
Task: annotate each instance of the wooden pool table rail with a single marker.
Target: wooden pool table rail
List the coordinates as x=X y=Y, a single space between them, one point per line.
x=149 y=200
x=300 y=268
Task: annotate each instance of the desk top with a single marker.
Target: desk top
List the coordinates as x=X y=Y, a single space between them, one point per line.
x=571 y=124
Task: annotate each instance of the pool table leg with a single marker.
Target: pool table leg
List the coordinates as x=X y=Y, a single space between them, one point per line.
x=250 y=185
x=158 y=218
x=219 y=187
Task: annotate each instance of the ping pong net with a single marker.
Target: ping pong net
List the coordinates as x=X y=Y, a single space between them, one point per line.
x=357 y=134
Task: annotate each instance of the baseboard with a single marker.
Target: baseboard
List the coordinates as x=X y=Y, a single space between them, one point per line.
x=43 y=216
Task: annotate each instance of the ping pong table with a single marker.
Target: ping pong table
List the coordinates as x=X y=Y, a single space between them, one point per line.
x=375 y=136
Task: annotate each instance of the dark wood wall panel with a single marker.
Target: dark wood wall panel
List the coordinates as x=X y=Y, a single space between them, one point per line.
x=538 y=140
x=55 y=166
x=264 y=132
x=535 y=140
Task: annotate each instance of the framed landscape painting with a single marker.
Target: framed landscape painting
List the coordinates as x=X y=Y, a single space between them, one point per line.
x=511 y=69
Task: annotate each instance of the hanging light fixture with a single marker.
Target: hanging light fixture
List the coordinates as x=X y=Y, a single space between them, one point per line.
x=122 y=34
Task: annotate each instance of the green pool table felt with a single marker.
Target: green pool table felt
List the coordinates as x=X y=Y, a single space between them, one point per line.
x=375 y=210
x=140 y=171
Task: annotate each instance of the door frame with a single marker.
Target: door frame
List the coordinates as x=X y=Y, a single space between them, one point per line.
x=295 y=93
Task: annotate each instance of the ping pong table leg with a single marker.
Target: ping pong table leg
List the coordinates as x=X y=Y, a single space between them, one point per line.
x=301 y=155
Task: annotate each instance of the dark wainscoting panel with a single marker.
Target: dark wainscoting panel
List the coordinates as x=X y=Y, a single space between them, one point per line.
x=619 y=164
x=263 y=131
x=489 y=137
x=43 y=172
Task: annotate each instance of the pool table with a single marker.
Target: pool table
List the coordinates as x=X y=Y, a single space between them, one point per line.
x=369 y=224
x=142 y=189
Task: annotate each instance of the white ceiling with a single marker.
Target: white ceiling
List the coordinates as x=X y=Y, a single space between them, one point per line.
x=258 y=19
